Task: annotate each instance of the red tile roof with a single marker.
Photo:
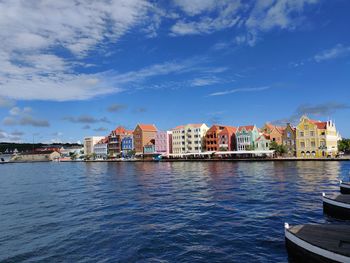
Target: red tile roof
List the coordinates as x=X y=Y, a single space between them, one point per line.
x=319 y=124
x=247 y=127
x=120 y=130
x=148 y=127
x=229 y=129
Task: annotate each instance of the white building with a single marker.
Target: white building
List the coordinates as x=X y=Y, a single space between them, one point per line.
x=89 y=143
x=101 y=149
x=189 y=138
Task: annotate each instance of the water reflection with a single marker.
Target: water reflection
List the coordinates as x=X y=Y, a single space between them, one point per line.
x=171 y=212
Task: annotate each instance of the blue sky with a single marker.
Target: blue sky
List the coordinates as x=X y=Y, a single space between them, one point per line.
x=70 y=69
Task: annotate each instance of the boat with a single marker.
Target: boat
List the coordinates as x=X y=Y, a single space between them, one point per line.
x=5 y=158
x=337 y=206
x=318 y=242
x=345 y=187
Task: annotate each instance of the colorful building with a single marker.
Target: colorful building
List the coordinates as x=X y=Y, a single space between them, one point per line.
x=163 y=142
x=316 y=139
x=143 y=135
x=189 y=138
x=212 y=138
x=101 y=149
x=262 y=143
x=227 y=139
x=288 y=140
x=89 y=143
x=246 y=136
x=115 y=141
x=275 y=132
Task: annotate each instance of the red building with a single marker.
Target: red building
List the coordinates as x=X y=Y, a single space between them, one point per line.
x=212 y=138
x=227 y=139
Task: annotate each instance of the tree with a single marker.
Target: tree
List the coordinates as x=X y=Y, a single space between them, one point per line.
x=279 y=149
x=344 y=145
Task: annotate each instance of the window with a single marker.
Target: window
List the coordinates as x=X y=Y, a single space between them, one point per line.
x=301 y=134
x=302 y=144
x=313 y=144
x=312 y=133
x=306 y=127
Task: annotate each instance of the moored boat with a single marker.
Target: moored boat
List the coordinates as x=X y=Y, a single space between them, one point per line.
x=337 y=206
x=318 y=243
x=5 y=158
x=345 y=187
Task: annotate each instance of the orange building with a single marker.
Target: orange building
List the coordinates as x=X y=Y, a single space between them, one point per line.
x=143 y=135
x=275 y=132
x=213 y=140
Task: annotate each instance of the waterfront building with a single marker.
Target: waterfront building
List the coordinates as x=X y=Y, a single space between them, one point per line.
x=89 y=143
x=189 y=138
x=115 y=141
x=101 y=149
x=316 y=138
x=163 y=142
x=246 y=136
x=37 y=156
x=212 y=137
x=227 y=139
x=67 y=152
x=143 y=135
x=127 y=144
x=275 y=132
x=288 y=140
x=262 y=143
x=149 y=148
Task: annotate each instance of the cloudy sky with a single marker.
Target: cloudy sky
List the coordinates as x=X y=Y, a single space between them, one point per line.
x=70 y=69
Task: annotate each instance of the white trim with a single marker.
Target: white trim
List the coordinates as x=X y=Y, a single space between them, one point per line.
x=336 y=203
x=347 y=186
x=314 y=249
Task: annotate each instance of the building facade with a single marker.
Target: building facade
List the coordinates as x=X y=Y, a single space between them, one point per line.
x=189 y=138
x=143 y=135
x=275 y=132
x=262 y=143
x=246 y=136
x=163 y=142
x=89 y=143
x=115 y=141
x=212 y=138
x=227 y=139
x=127 y=143
x=101 y=149
x=316 y=139
x=288 y=140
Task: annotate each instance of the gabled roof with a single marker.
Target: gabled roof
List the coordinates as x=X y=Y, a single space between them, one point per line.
x=263 y=136
x=247 y=128
x=229 y=129
x=319 y=124
x=147 y=127
x=120 y=130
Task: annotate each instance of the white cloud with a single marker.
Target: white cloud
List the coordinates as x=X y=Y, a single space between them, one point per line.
x=29 y=69
x=195 y=7
x=333 y=53
x=220 y=93
x=248 y=17
x=226 y=16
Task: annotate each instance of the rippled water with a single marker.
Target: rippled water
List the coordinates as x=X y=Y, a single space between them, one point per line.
x=158 y=212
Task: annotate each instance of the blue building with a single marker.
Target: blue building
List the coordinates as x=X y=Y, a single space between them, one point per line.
x=127 y=145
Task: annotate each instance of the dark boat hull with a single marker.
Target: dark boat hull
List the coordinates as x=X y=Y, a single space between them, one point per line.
x=299 y=254
x=336 y=209
x=345 y=189
x=317 y=243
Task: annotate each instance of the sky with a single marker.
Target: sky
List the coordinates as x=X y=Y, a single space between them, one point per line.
x=70 y=69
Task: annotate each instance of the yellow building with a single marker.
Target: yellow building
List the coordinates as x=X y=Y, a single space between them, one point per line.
x=316 y=139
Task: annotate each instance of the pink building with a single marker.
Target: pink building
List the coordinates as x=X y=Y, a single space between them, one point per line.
x=163 y=142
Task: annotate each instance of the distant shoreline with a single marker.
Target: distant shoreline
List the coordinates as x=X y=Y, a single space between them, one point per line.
x=199 y=160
